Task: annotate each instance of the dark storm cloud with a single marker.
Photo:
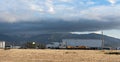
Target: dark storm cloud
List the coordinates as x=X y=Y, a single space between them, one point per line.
x=50 y=26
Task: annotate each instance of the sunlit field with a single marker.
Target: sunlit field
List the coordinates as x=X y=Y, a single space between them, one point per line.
x=37 y=55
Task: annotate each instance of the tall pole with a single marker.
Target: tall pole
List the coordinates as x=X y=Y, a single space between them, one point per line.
x=102 y=40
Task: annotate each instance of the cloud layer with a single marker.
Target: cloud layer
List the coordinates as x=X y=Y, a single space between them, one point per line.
x=49 y=16
x=58 y=26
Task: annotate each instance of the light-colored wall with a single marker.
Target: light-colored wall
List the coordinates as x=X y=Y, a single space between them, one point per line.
x=2 y=44
x=83 y=42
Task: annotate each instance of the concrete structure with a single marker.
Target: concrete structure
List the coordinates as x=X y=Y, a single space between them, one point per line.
x=77 y=43
x=91 y=43
x=118 y=48
x=53 y=45
x=49 y=46
x=2 y=44
x=107 y=48
x=16 y=47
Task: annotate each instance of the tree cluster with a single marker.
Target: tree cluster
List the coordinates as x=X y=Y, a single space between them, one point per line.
x=34 y=45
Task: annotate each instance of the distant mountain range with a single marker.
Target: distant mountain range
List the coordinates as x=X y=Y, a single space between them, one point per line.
x=57 y=37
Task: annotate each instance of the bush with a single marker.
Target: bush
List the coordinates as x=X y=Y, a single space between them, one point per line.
x=33 y=45
x=116 y=53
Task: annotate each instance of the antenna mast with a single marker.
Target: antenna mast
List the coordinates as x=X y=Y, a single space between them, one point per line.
x=102 y=40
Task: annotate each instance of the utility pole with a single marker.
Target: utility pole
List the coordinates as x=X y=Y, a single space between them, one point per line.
x=102 y=39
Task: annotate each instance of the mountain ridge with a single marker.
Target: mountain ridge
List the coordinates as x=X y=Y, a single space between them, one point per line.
x=57 y=37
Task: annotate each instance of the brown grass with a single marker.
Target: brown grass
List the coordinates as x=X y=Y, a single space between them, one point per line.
x=34 y=55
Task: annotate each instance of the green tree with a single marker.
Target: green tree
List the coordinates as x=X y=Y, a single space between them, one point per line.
x=31 y=45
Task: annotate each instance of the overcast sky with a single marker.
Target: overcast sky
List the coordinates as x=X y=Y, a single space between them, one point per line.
x=49 y=16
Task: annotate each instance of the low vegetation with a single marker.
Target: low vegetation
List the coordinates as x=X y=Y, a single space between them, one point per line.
x=33 y=45
x=113 y=53
x=47 y=55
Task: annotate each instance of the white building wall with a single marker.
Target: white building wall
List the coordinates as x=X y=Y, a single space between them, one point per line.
x=83 y=42
x=2 y=44
x=118 y=48
x=49 y=46
x=16 y=47
x=53 y=45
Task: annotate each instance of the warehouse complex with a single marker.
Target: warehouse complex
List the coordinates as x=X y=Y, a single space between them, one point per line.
x=77 y=44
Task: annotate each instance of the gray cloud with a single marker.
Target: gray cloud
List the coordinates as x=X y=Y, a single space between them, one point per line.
x=33 y=16
x=57 y=25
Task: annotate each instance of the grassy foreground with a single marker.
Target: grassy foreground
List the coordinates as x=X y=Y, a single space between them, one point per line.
x=34 y=55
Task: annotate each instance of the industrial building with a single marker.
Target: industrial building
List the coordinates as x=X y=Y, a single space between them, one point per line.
x=88 y=43
x=16 y=47
x=53 y=45
x=2 y=44
x=118 y=48
x=77 y=44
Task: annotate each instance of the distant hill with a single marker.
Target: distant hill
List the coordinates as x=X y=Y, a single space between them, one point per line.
x=57 y=37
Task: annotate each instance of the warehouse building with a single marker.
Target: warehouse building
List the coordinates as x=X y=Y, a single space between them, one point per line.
x=81 y=43
x=77 y=44
x=53 y=45
x=118 y=48
x=2 y=44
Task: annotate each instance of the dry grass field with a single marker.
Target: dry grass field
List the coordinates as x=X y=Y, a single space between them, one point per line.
x=34 y=55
